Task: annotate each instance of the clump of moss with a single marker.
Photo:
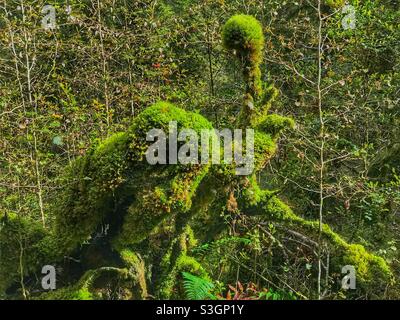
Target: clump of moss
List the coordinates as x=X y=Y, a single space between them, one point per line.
x=244 y=34
x=91 y=286
x=137 y=269
x=100 y=179
x=93 y=183
x=159 y=116
x=273 y=124
x=335 y=3
x=264 y=149
x=176 y=261
x=270 y=93
x=370 y=269
x=166 y=189
x=25 y=246
x=68 y=293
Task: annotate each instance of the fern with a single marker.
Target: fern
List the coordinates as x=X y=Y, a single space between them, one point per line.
x=221 y=243
x=197 y=288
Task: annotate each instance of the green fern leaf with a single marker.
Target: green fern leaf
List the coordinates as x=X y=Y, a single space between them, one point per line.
x=197 y=288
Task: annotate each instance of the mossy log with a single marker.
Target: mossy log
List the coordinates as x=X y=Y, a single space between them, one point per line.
x=149 y=209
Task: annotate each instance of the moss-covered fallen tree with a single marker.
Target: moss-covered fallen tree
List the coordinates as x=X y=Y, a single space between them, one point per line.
x=151 y=210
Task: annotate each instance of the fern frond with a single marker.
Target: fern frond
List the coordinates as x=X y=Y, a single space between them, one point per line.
x=197 y=288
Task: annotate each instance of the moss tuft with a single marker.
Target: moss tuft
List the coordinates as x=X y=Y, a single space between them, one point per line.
x=166 y=189
x=335 y=4
x=370 y=269
x=244 y=34
x=274 y=124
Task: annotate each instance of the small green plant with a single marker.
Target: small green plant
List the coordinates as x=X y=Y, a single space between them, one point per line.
x=220 y=243
x=197 y=288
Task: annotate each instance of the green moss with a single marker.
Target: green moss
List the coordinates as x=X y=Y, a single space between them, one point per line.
x=253 y=194
x=158 y=116
x=188 y=240
x=270 y=93
x=87 y=287
x=79 y=291
x=176 y=261
x=91 y=184
x=25 y=246
x=152 y=206
x=273 y=124
x=183 y=263
x=137 y=269
x=166 y=189
x=142 y=216
x=264 y=149
x=69 y=293
x=277 y=209
x=82 y=294
x=100 y=177
x=189 y=264
x=335 y=3
x=370 y=269
x=244 y=35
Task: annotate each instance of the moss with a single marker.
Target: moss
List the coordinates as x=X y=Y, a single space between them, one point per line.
x=99 y=180
x=372 y=272
x=183 y=263
x=252 y=193
x=264 y=149
x=82 y=294
x=244 y=35
x=152 y=206
x=274 y=124
x=79 y=291
x=189 y=264
x=137 y=269
x=270 y=93
x=370 y=269
x=188 y=240
x=92 y=283
x=89 y=193
x=25 y=246
x=277 y=209
x=176 y=261
x=159 y=116
x=335 y=3
x=167 y=189
x=69 y=293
